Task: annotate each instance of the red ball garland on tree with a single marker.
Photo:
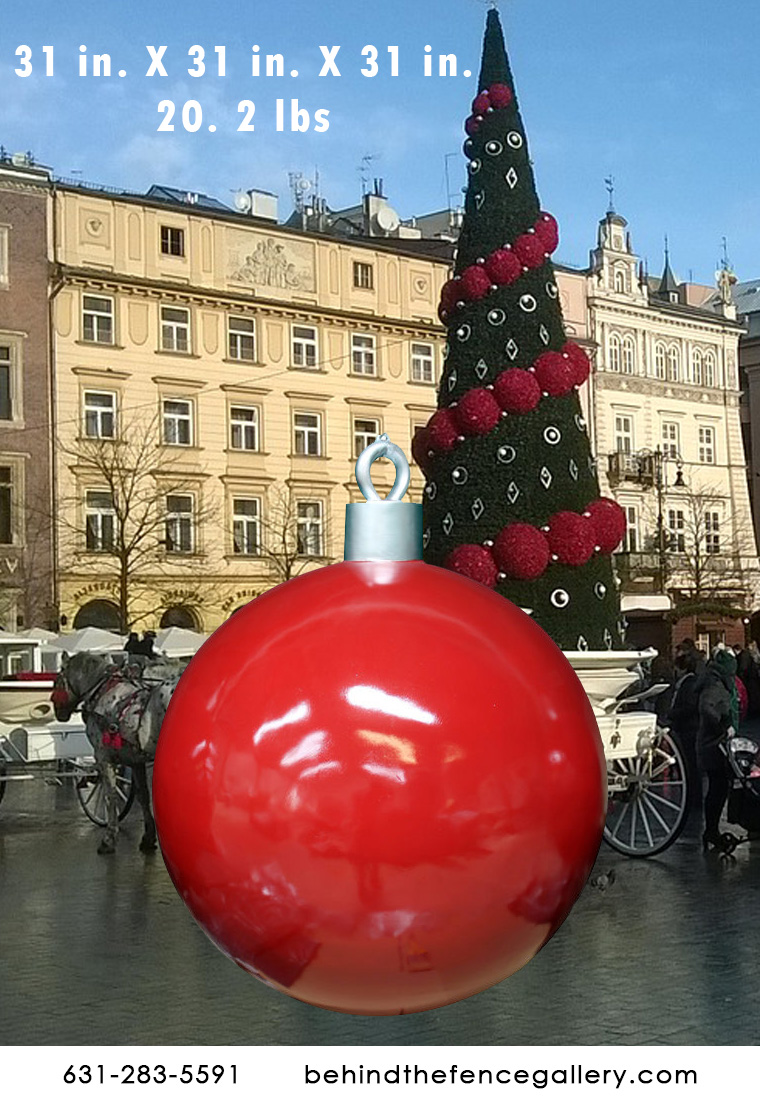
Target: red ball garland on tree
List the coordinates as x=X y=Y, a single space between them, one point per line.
x=608 y=523
x=500 y=95
x=571 y=538
x=503 y=266
x=475 y=562
x=522 y=551
x=421 y=448
x=554 y=374
x=477 y=413
x=580 y=366
x=517 y=391
x=547 y=232
x=475 y=282
x=530 y=249
x=442 y=431
x=481 y=104
x=451 y=293
x=471 y=125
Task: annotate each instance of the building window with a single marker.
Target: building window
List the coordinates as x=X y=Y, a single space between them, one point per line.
x=631 y=539
x=423 y=362
x=660 y=360
x=244 y=428
x=97 y=319
x=624 y=434
x=614 y=352
x=710 y=370
x=4 y=257
x=707 y=445
x=696 y=367
x=175 y=329
x=363 y=275
x=674 y=364
x=670 y=440
x=100 y=521
x=712 y=532
x=363 y=355
x=305 y=347
x=310 y=528
x=241 y=339
x=676 y=541
x=246 y=526
x=620 y=281
x=178 y=422
x=629 y=360
x=172 y=241
x=307 y=431
x=99 y=415
x=6 y=505
x=179 y=522
x=6 y=383
x=365 y=433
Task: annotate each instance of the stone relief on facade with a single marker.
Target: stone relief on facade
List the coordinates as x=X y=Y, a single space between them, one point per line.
x=268 y=262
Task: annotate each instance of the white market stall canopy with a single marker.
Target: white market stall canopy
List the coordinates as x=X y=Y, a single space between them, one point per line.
x=90 y=639
x=658 y=603
x=176 y=642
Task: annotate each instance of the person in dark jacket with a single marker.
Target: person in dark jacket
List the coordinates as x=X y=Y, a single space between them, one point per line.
x=132 y=644
x=718 y=710
x=682 y=718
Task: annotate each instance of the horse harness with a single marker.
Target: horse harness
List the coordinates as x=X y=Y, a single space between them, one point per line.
x=111 y=737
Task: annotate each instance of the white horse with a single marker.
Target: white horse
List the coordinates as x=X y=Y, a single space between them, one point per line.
x=123 y=708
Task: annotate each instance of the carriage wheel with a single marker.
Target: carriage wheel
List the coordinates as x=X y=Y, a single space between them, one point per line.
x=92 y=797
x=649 y=799
x=3 y=772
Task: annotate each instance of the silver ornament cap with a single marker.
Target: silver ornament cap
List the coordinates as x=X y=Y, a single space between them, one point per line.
x=383 y=528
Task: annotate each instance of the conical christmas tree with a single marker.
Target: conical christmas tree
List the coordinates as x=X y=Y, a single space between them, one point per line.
x=512 y=498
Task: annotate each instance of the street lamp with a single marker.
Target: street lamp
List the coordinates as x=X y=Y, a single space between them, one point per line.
x=656 y=464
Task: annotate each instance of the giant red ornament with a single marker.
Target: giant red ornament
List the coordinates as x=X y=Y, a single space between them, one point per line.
x=368 y=776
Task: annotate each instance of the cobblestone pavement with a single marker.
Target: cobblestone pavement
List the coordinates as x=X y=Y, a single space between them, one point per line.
x=98 y=950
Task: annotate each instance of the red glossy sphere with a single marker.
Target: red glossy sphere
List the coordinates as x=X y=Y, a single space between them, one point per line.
x=379 y=787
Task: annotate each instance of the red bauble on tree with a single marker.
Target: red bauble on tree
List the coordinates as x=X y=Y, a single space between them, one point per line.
x=475 y=562
x=475 y=282
x=554 y=374
x=500 y=95
x=522 y=551
x=530 y=250
x=578 y=359
x=477 y=413
x=442 y=431
x=607 y=521
x=547 y=232
x=351 y=786
x=481 y=104
x=517 y=391
x=503 y=266
x=571 y=538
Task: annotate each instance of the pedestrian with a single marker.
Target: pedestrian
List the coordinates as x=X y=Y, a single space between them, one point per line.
x=683 y=715
x=718 y=710
x=132 y=644
x=748 y=671
x=146 y=645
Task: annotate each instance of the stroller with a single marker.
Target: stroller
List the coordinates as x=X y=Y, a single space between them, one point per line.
x=743 y=761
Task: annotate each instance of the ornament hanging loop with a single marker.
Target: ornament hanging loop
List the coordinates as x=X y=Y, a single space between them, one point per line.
x=382 y=448
x=383 y=528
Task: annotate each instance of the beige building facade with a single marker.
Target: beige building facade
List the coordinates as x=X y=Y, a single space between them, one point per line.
x=249 y=364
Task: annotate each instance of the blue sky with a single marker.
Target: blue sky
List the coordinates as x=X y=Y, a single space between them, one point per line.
x=661 y=95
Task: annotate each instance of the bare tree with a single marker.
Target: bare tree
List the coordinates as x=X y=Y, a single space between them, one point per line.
x=292 y=536
x=709 y=546
x=142 y=513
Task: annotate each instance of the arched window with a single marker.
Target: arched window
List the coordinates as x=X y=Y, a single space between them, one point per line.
x=629 y=355
x=179 y=616
x=710 y=369
x=674 y=364
x=101 y=613
x=620 y=281
x=696 y=367
x=614 y=349
x=660 y=361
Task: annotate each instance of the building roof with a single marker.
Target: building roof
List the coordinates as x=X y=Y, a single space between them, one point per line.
x=195 y=199
x=747 y=297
